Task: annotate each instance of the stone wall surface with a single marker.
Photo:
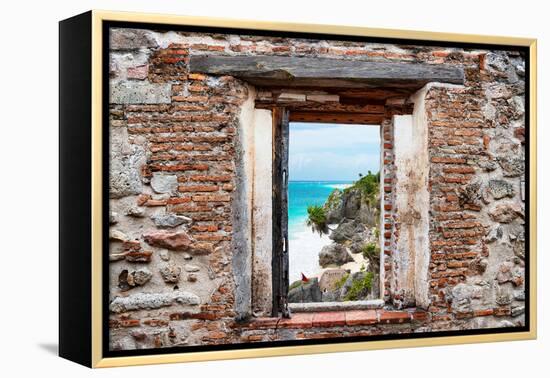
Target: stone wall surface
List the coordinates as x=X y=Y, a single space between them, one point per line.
x=179 y=260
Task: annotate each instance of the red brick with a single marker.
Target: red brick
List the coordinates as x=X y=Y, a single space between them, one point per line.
x=329 y=319
x=153 y=202
x=447 y=160
x=419 y=315
x=486 y=312
x=394 y=317
x=502 y=311
x=262 y=323
x=459 y=170
x=199 y=99
x=178 y=200
x=138 y=72
x=129 y=323
x=204 y=228
x=298 y=320
x=463 y=225
x=220 y=178
x=196 y=76
x=360 y=317
x=198 y=188
x=180 y=167
x=142 y=199
x=155 y=322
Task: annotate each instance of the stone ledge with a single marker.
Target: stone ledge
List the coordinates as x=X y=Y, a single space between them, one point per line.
x=336 y=306
x=328 y=319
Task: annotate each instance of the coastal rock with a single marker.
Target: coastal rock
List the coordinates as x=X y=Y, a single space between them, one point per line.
x=330 y=278
x=346 y=231
x=305 y=292
x=334 y=207
x=368 y=214
x=352 y=203
x=334 y=254
x=359 y=286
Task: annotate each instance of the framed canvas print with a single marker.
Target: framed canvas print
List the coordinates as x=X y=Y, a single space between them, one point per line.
x=235 y=189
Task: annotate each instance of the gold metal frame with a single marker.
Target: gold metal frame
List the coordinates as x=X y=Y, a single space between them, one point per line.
x=97 y=291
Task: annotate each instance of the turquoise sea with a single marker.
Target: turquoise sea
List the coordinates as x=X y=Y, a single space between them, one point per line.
x=304 y=245
x=304 y=193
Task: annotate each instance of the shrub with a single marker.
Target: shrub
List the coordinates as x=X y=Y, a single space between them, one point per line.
x=360 y=287
x=338 y=284
x=371 y=251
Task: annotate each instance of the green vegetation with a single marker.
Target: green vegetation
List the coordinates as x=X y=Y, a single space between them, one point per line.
x=371 y=251
x=338 y=284
x=317 y=219
x=360 y=287
x=369 y=185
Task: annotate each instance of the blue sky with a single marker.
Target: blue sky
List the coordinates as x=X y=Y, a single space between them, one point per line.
x=332 y=152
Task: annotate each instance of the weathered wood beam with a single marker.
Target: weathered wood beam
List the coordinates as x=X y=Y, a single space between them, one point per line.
x=325 y=72
x=346 y=118
x=323 y=107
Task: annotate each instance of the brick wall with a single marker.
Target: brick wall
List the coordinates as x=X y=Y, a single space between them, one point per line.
x=175 y=156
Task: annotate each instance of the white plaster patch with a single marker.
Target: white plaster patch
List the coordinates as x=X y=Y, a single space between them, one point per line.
x=262 y=212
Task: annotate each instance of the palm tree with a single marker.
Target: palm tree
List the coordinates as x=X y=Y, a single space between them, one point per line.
x=317 y=220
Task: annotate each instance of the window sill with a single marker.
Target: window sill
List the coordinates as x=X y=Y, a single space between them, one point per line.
x=338 y=318
x=336 y=306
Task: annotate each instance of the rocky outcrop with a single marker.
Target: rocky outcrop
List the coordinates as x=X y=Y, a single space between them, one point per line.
x=360 y=285
x=305 y=292
x=350 y=204
x=355 y=211
x=334 y=254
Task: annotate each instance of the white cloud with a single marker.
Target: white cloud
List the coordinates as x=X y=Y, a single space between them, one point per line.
x=333 y=152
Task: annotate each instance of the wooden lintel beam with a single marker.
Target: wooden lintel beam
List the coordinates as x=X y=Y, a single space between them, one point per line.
x=346 y=118
x=325 y=72
x=323 y=107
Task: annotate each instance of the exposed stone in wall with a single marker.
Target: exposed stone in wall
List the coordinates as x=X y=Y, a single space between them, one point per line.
x=177 y=183
x=477 y=212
